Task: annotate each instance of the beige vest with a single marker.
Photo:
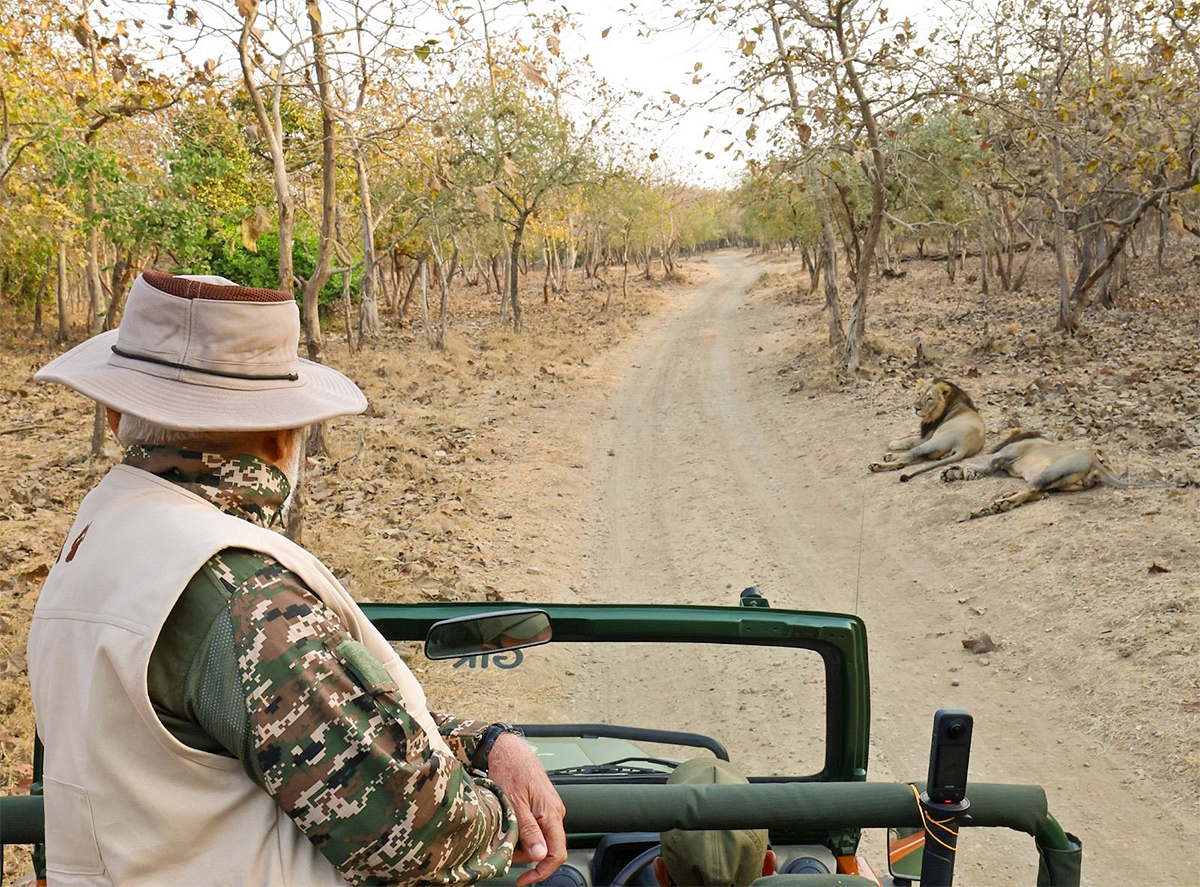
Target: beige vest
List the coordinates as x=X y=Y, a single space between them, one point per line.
x=127 y=803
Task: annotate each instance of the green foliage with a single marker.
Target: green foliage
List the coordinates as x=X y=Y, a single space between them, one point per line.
x=229 y=259
x=776 y=208
x=936 y=166
x=511 y=147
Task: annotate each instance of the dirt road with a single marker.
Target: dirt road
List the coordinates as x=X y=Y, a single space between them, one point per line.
x=707 y=477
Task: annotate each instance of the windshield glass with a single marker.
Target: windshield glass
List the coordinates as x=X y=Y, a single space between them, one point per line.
x=764 y=704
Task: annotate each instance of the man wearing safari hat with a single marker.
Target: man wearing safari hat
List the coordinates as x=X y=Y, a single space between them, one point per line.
x=214 y=706
x=720 y=858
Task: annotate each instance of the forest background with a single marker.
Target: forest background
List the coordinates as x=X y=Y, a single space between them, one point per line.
x=352 y=152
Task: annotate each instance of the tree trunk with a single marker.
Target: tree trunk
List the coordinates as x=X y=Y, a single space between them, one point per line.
x=412 y=284
x=96 y=300
x=393 y=294
x=368 y=307
x=1106 y=284
x=1162 y=241
x=295 y=516
x=812 y=264
x=1066 y=320
x=876 y=172
x=624 y=267
x=558 y=272
x=502 y=288
x=591 y=257
x=41 y=292
x=122 y=276
x=425 y=305
x=833 y=310
x=444 y=307
x=494 y=262
x=64 y=320
x=437 y=335
x=885 y=252
x=271 y=127
x=571 y=253
x=514 y=263
x=454 y=261
x=347 y=313
x=321 y=273
x=1035 y=244
x=985 y=260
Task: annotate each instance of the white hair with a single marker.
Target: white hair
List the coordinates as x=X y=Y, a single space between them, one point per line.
x=134 y=430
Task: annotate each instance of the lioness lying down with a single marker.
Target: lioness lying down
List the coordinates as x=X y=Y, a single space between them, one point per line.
x=951 y=430
x=1043 y=464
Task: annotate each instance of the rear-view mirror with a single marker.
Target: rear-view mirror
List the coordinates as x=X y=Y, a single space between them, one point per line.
x=486 y=633
x=905 y=848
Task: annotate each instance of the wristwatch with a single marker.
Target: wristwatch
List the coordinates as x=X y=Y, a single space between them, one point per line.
x=479 y=760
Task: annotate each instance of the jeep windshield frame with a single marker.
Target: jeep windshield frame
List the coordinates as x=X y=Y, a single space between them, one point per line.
x=839 y=639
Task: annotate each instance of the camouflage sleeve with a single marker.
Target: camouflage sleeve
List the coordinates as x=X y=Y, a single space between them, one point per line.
x=342 y=757
x=461 y=734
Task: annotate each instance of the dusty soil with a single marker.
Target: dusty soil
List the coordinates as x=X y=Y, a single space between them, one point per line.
x=697 y=442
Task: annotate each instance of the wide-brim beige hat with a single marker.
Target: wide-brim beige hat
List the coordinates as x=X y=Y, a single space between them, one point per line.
x=197 y=353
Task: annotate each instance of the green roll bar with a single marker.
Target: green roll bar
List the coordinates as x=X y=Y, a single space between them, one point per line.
x=839 y=639
x=818 y=807
x=787 y=808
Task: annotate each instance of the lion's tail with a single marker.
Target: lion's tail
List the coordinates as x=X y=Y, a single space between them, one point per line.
x=1124 y=483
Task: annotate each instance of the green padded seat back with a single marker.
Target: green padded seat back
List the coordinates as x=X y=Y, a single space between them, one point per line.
x=813 y=881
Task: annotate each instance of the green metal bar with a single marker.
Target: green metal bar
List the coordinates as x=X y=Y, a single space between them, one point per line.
x=796 y=806
x=22 y=820
x=810 y=806
x=840 y=639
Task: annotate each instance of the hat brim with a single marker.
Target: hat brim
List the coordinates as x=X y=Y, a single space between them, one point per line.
x=200 y=404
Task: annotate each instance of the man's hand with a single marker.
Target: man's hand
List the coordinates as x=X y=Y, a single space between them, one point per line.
x=514 y=767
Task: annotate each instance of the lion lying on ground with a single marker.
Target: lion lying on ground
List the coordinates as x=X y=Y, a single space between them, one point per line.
x=1045 y=465
x=951 y=430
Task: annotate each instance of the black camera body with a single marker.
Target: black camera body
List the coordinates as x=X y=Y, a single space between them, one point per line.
x=949 y=756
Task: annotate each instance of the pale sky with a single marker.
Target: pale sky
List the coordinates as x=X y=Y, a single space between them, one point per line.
x=657 y=62
x=659 y=65
x=662 y=63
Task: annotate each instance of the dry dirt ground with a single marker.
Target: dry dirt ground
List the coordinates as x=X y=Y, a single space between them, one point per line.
x=696 y=441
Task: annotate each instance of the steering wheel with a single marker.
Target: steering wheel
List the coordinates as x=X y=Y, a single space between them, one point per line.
x=625 y=876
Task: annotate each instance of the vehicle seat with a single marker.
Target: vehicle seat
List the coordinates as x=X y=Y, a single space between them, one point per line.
x=827 y=880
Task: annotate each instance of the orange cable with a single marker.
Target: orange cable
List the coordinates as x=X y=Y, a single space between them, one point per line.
x=926 y=820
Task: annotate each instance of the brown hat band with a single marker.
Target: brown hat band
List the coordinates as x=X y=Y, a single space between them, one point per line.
x=281 y=377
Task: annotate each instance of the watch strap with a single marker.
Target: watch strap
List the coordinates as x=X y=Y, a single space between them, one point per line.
x=483 y=750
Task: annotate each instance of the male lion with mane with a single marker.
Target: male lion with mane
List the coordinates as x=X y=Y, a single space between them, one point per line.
x=1045 y=465
x=951 y=430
